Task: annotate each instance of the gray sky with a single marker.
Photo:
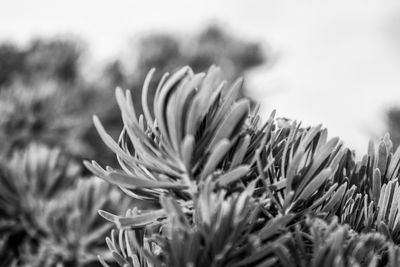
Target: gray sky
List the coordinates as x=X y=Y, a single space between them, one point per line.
x=339 y=60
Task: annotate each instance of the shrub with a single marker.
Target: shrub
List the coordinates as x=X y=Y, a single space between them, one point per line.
x=225 y=190
x=48 y=210
x=43 y=115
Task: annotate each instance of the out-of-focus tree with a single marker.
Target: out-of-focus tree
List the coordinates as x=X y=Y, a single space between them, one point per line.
x=216 y=46
x=44 y=96
x=212 y=45
x=53 y=59
x=393 y=124
x=114 y=74
x=43 y=114
x=56 y=59
x=11 y=63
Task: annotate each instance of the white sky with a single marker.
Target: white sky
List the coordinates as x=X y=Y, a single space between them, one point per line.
x=339 y=60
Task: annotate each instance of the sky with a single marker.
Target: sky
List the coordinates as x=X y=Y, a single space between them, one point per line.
x=338 y=61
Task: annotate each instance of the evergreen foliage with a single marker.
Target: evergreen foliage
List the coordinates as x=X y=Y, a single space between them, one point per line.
x=48 y=202
x=225 y=190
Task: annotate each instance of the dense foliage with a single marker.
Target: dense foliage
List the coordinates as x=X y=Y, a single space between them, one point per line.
x=201 y=182
x=48 y=93
x=225 y=190
x=48 y=210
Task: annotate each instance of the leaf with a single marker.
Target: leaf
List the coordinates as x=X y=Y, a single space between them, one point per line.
x=315 y=184
x=394 y=165
x=394 y=206
x=240 y=151
x=321 y=156
x=127 y=110
x=274 y=225
x=237 y=115
x=219 y=151
x=187 y=150
x=310 y=135
x=137 y=221
x=171 y=116
x=161 y=100
x=102 y=262
x=184 y=96
x=376 y=185
x=95 y=168
x=233 y=175
x=293 y=167
x=145 y=105
x=230 y=97
x=382 y=157
x=141 y=220
x=279 y=185
x=210 y=82
x=383 y=200
x=107 y=139
x=326 y=195
x=119 y=259
x=193 y=118
x=334 y=202
x=131 y=182
x=108 y=216
x=288 y=200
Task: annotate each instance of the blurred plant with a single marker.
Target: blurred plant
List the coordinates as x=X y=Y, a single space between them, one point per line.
x=73 y=232
x=55 y=59
x=212 y=45
x=43 y=96
x=45 y=115
x=393 y=124
x=28 y=181
x=324 y=243
x=11 y=63
x=48 y=211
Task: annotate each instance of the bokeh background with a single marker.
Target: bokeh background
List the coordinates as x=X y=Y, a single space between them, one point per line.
x=335 y=63
x=330 y=62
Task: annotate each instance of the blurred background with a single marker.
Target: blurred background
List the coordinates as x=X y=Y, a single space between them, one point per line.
x=330 y=62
